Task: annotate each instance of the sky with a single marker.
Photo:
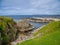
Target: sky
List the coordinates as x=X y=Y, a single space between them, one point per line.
x=29 y=7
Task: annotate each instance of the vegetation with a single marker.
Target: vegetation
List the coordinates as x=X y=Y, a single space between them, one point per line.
x=7 y=30
x=49 y=28
x=50 y=35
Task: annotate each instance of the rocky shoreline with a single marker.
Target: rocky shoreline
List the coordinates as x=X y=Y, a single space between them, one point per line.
x=29 y=34
x=12 y=32
x=25 y=31
x=42 y=20
x=24 y=26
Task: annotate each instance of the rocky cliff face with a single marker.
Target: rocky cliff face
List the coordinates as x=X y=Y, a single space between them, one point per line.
x=8 y=30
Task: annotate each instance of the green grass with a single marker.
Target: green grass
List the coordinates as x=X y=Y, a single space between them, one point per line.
x=49 y=28
x=6 y=29
x=51 y=35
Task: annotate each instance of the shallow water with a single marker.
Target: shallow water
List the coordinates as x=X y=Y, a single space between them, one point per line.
x=37 y=25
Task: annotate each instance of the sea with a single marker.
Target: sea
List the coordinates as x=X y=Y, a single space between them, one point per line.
x=36 y=25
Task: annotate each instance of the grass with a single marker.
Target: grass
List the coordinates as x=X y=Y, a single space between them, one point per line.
x=49 y=28
x=51 y=35
x=6 y=29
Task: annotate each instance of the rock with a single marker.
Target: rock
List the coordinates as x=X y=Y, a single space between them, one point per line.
x=0 y=39
x=23 y=26
x=8 y=30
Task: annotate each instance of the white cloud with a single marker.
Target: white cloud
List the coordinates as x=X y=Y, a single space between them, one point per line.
x=37 y=7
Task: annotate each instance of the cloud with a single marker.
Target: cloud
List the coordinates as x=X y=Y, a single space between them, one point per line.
x=45 y=4
x=12 y=7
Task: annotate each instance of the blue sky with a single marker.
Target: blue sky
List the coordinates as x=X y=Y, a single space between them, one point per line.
x=29 y=7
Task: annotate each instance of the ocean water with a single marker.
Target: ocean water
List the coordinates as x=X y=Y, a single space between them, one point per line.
x=17 y=17
x=36 y=25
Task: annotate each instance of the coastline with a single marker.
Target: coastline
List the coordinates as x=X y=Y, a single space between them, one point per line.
x=29 y=37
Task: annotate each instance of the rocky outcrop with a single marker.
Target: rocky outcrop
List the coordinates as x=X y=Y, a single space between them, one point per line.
x=24 y=26
x=8 y=30
x=42 y=20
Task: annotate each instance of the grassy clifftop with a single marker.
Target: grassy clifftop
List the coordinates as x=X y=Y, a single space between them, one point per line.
x=49 y=28
x=50 y=35
x=7 y=30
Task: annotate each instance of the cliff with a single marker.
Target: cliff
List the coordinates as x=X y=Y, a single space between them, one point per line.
x=8 y=30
